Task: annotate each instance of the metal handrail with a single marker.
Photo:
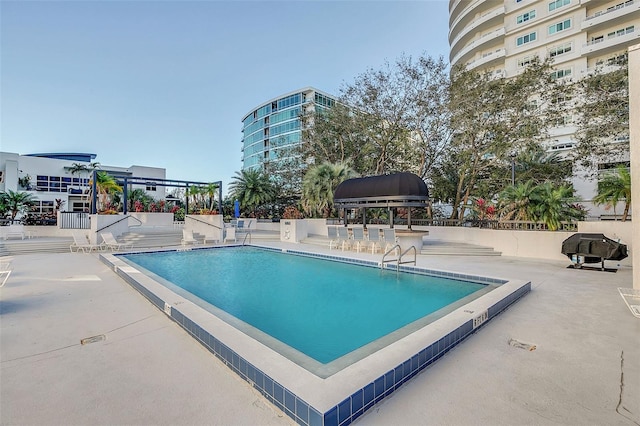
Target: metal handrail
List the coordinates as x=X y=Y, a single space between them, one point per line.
x=397 y=246
x=111 y=224
x=133 y=217
x=399 y=260
x=415 y=255
x=245 y=238
x=203 y=221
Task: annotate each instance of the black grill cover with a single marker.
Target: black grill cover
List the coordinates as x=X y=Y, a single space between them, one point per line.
x=594 y=247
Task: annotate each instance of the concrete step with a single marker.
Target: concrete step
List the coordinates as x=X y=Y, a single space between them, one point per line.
x=430 y=247
x=35 y=245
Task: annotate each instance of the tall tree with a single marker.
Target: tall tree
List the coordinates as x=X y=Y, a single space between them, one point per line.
x=491 y=117
x=614 y=188
x=319 y=184
x=387 y=120
x=252 y=188
x=603 y=115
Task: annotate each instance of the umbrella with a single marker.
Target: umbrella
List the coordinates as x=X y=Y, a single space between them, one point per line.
x=236 y=208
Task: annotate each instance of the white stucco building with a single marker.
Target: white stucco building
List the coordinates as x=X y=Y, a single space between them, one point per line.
x=48 y=178
x=502 y=37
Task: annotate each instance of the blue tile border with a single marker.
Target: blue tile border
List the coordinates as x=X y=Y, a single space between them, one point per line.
x=363 y=399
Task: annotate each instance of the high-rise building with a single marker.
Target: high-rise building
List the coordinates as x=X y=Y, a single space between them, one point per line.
x=503 y=36
x=270 y=130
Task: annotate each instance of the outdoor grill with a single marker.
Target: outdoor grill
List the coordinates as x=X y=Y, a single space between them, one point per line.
x=592 y=248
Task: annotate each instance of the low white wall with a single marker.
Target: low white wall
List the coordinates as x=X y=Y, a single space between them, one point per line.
x=211 y=228
x=100 y=221
x=266 y=226
x=152 y=219
x=529 y=244
x=316 y=227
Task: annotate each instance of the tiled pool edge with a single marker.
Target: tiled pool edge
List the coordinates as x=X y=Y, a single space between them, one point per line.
x=351 y=407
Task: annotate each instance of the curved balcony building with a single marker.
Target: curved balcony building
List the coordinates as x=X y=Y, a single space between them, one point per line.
x=503 y=36
x=270 y=130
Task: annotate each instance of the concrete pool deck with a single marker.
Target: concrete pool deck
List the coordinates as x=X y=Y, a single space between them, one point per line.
x=585 y=368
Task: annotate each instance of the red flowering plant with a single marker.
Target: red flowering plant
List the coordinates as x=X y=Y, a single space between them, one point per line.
x=483 y=209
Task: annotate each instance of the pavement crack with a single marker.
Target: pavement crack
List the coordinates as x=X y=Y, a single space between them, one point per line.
x=619 y=406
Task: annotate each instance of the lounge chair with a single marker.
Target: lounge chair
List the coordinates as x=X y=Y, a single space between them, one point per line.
x=332 y=233
x=374 y=240
x=358 y=239
x=188 y=238
x=390 y=240
x=5 y=271
x=230 y=234
x=110 y=242
x=81 y=242
x=16 y=230
x=343 y=237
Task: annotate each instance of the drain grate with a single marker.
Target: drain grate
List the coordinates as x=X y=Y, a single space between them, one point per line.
x=93 y=339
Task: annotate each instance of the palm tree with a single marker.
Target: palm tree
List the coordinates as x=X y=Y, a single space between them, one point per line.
x=252 y=188
x=211 y=190
x=555 y=204
x=319 y=184
x=17 y=202
x=613 y=188
x=515 y=201
x=105 y=185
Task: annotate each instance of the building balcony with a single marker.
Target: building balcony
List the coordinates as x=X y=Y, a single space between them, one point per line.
x=483 y=42
x=615 y=15
x=457 y=21
x=489 y=59
x=488 y=20
x=608 y=44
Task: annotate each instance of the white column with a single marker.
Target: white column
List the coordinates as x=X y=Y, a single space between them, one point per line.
x=634 y=147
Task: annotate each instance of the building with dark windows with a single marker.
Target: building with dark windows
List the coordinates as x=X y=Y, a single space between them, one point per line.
x=270 y=130
x=53 y=177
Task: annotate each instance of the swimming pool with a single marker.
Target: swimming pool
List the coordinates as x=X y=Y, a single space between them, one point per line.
x=323 y=309
x=343 y=394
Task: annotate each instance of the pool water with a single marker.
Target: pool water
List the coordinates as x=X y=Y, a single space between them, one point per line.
x=324 y=309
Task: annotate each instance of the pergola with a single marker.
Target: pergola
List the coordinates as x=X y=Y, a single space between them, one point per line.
x=126 y=180
x=384 y=191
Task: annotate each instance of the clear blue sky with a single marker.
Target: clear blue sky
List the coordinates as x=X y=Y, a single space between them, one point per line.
x=166 y=83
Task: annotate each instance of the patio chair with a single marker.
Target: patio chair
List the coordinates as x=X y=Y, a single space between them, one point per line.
x=343 y=237
x=230 y=234
x=5 y=271
x=81 y=242
x=332 y=233
x=374 y=240
x=188 y=238
x=110 y=242
x=358 y=239
x=390 y=240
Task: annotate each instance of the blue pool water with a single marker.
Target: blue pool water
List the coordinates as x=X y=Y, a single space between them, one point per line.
x=322 y=308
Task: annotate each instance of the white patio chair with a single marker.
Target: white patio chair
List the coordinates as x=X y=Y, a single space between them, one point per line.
x=110 y=242
x=5 y=272
x=343 y=237
x=358 y=239
x=229 y=234
x=390 y=240
x=188 y=238
x=374 y=240
x=332 y=233
x=81 y=242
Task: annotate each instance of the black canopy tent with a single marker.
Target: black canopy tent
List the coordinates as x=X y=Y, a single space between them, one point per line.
x=383 y=191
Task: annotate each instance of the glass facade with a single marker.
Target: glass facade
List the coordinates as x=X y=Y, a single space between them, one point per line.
x=276 y=126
